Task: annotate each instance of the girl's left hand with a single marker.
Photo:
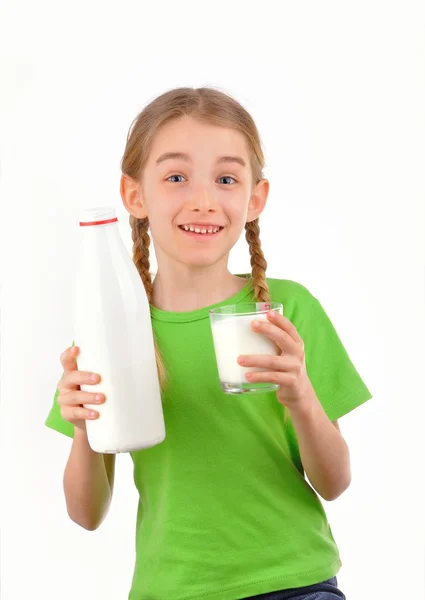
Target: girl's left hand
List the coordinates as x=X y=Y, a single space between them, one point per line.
x=288 y=369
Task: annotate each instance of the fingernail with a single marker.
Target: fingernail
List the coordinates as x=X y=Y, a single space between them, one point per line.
x=241 y=360
x=248 y=375
x=256 y=324
x=272 y=314
x=93 y=377
x=92 y=413
x=99 y=397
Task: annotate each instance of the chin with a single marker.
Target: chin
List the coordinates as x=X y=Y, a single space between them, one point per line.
x=200 y=263
x=201 y=259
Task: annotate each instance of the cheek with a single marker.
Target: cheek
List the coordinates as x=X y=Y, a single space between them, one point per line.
x=160 y=221
x=236 y=208
x=159 y=205
x=172 y=196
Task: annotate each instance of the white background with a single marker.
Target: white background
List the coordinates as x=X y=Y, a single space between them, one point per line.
x=337 y=91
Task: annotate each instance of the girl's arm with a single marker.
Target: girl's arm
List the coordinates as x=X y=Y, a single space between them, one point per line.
x=324 y=452
x=88 y=483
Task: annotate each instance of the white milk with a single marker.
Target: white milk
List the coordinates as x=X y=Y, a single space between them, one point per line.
x=234 y=336
x=112 y=327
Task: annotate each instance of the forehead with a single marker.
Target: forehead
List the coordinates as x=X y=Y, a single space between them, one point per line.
x=198 y=139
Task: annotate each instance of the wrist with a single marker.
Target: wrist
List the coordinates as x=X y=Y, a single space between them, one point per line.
x=306 y=407
x=80 y=434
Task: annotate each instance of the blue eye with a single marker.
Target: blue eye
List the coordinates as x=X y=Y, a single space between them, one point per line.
x=168 y=178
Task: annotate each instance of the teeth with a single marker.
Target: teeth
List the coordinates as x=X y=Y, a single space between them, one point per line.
x=199 y=230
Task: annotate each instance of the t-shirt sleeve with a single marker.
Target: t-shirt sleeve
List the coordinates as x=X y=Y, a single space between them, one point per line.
x=334 y=377
x=55 y=421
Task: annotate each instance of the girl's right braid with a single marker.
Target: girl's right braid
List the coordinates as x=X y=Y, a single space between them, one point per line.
x=141 y=243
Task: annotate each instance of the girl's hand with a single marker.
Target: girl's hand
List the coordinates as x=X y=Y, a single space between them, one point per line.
x=71 y=398
x=288 y=369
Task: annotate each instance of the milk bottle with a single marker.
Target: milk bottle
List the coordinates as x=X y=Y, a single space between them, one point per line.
x=112 y=327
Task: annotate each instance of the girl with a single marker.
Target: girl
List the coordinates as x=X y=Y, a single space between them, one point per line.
x=225 y=510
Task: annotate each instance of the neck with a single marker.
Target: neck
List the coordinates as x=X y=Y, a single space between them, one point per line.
x=183 y=289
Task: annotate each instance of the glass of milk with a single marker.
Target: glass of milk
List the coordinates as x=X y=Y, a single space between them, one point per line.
x=233 y=336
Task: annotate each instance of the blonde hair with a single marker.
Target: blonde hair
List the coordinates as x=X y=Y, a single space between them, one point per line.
x=214 y=107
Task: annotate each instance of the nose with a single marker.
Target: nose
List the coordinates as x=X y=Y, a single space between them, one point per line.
x=201 y=199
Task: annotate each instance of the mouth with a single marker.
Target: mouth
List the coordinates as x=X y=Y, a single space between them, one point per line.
x=196 y=230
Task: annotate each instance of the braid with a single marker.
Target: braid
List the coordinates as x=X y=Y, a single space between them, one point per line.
x=141 y=243
x=259 y=266
x=258 y=262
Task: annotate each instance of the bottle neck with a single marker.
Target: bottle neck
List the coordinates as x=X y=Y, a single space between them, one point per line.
x=96 y=223
x=98 y=215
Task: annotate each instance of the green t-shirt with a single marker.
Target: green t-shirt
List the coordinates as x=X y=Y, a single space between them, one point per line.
x=225 y=511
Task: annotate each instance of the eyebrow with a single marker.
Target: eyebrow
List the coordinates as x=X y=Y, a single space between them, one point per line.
x=186 y=157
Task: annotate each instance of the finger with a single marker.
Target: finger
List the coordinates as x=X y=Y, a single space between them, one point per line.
x=78 y=413
x=77 y=398
x=76 y=378
x=284 y=341
x=285 y=379
x=68 y=359
x=284 y=363
x=285 y=324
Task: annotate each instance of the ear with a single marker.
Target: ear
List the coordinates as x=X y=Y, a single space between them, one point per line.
x=132 y=197
x=258 y=200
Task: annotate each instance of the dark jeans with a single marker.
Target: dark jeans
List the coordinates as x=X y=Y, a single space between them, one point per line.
x=327 y=590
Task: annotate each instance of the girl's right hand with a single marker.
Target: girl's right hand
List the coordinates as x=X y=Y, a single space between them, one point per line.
x=71 y=398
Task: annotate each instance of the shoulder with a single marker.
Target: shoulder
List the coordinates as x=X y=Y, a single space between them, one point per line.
x=300 y=305
x=290 y=292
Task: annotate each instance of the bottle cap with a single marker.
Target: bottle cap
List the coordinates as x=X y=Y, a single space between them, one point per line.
x=100 y=215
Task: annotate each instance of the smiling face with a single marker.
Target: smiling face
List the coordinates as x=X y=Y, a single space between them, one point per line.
x=197 y=190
